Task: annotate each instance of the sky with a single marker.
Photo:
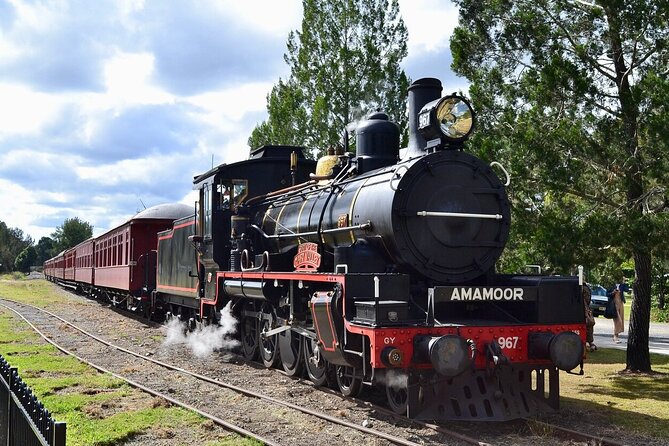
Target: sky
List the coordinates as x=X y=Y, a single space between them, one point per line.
x=110 y=106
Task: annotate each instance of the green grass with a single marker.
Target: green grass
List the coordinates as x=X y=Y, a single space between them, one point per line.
x=36 y=292
x=15 y=275
x=634 y=402
x=98 y=408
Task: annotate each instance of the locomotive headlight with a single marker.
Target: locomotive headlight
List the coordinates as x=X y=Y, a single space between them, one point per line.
x=450 y=118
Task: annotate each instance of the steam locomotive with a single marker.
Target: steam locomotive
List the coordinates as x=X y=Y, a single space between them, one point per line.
x=372 y=269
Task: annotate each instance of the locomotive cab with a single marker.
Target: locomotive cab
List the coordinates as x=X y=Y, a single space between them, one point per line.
x=221 y=192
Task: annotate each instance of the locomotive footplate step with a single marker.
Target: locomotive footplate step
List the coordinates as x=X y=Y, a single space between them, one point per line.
x=375 y=312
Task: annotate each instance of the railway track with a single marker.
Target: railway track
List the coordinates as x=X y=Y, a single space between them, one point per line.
x=363 y=435
x=547 y=428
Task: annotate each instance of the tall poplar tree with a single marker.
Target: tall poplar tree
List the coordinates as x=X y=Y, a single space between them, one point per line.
x=344 y=63
x=573 y=96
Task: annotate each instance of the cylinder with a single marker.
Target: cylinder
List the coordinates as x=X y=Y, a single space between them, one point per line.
x=244 y=288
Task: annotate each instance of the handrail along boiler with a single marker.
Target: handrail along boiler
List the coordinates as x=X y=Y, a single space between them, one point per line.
x=377 y=269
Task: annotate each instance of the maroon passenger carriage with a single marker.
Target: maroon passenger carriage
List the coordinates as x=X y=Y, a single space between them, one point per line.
x=84 y=271
x=119 y=265
x=68 y=259
x=50 y=268
x=125 y=257
x=54 y=268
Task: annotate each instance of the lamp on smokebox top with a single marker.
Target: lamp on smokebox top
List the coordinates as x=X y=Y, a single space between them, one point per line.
x=447 y=121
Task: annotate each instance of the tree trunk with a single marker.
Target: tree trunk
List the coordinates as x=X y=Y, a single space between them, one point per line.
x=638 y=356
x=660 y=303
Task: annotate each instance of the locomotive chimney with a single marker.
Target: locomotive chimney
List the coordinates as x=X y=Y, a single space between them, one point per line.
x=421 y=92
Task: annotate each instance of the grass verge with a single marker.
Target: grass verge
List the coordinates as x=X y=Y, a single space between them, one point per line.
x=633 y=402
x=38 y=292
x=99 y=409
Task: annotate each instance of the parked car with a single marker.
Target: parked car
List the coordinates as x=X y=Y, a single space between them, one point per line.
x=598 y=299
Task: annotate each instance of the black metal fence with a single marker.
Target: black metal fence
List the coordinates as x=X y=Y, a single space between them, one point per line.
x=23 y=419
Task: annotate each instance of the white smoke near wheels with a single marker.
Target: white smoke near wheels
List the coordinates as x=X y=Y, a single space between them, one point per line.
x=394 y=378
x=203 y=341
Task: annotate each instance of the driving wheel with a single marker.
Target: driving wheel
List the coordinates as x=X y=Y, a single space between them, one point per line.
x=349 y=381
x=319 y=371
x=398 y=398
x=290 y=351
x=248 y=333
x=269 y=347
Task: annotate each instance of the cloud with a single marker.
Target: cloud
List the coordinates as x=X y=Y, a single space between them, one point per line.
x=106 y=104
x=141 y=130
x=198 y=49
x=7 y=14
x=430 y=24
x=30 y=167
x=59 y=47
x=24 y=111
x=436 y=64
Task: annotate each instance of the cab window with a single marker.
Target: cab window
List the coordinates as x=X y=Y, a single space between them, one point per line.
x=223 y=195
x=239 y=191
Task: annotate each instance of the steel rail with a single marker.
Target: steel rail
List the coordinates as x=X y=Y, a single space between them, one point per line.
x=575 y=435
x=219 y=421
x=323 y=416
x=425 y=424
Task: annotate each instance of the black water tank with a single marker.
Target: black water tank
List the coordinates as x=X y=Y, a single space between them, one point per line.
x=377 y=142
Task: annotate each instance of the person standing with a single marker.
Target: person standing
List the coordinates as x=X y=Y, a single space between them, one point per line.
x=589 y=319
x=624 y=288
x=619 y=299
x=619 y=320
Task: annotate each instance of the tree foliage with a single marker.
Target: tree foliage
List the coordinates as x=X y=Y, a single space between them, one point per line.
x=12 y=242
x=26 y=259
x=573 y=96
x=287 y=117
x=344 y=63
x=45 y=249
x=72 y=232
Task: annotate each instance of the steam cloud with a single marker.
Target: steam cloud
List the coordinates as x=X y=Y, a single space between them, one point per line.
x=394 y=378
x=204 y=340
